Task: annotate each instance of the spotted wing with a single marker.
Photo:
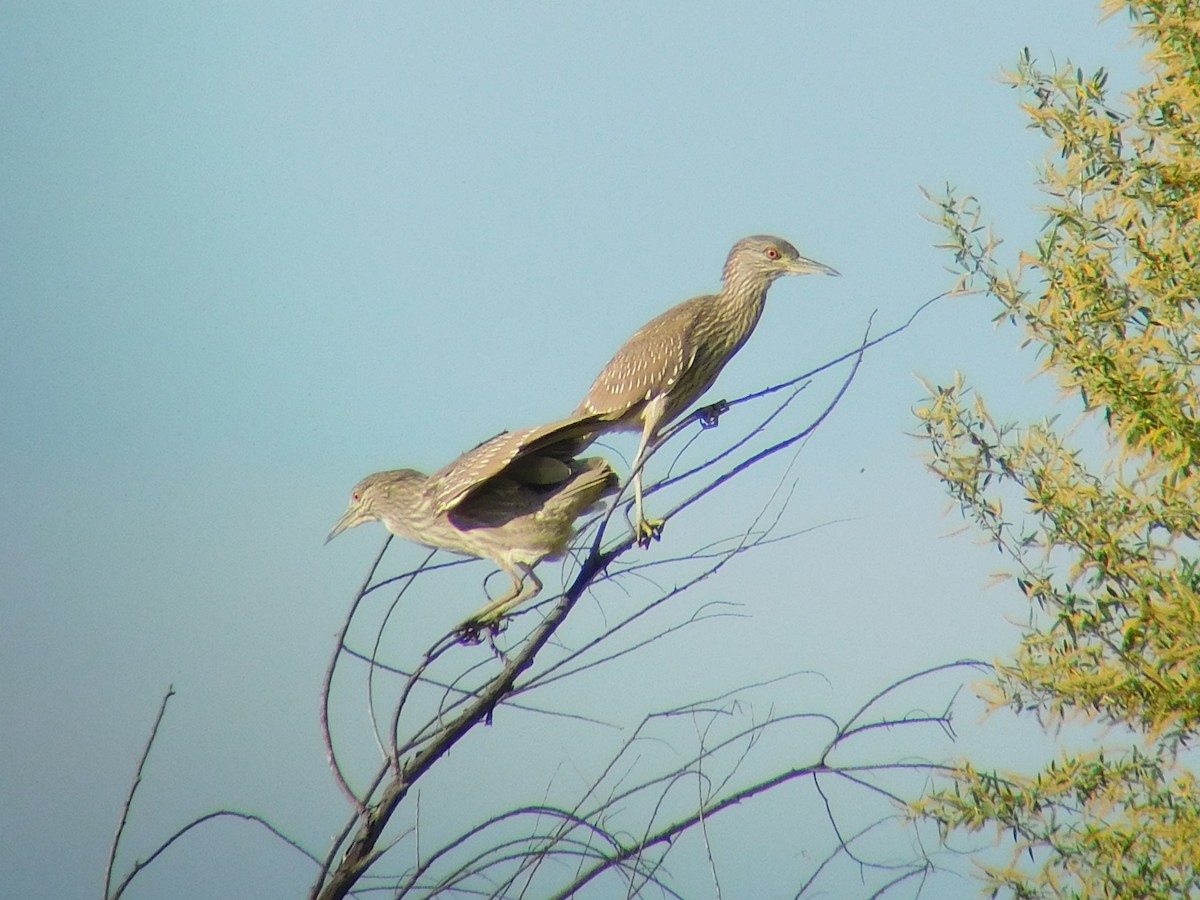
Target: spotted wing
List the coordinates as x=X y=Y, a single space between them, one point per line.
x=535 y=456
x=649 y=364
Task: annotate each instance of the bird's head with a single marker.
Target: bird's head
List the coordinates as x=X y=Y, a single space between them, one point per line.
x=763 y=258
x=377 y=495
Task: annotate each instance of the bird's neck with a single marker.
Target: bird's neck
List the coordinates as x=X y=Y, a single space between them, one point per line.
x=742 y=300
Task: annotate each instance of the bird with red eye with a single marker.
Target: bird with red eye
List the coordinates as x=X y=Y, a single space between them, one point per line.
x=513 y=499
x=673 y=360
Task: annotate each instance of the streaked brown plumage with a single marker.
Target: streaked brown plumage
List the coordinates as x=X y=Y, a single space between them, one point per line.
x=670 y=362
x=513 y=499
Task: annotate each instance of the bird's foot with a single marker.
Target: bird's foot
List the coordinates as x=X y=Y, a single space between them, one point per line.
x=710 y=415
x=648 y=530
x=470 y=633
x=474 y=630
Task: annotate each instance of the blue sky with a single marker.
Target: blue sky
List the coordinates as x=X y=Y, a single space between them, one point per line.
x=255 y=252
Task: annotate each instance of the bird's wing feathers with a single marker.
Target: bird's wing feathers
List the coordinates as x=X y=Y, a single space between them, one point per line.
x=530 y=455
x=648 y=364
x=503 y=499
x=501 y=502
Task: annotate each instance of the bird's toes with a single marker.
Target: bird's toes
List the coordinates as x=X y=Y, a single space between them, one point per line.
x=474 y=631
x=648 y=530
x=470 y=633
x=710 y=416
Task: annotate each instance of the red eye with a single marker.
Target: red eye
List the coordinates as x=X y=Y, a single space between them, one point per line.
x=772 y=253
x=356 y=497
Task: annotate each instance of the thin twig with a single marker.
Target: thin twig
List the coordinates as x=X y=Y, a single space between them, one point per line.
x=196 y=823
x=327 y=683
x=137 y=781
x=375 y=650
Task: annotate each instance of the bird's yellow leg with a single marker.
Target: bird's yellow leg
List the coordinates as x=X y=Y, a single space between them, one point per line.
x=645 y=530
x=489 y=617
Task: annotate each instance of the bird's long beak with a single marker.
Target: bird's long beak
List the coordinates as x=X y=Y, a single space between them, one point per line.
x=353 y=516
x=802 y=265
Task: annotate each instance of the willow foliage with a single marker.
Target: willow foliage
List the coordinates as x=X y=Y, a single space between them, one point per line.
x=1104 y=544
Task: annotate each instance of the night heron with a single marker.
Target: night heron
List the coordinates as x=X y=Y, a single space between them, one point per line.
x=674 y=359
x=513 y=499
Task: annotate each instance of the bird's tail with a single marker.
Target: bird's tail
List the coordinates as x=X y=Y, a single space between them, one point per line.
x=540 y=457
x=592 y=479
x=568 y=437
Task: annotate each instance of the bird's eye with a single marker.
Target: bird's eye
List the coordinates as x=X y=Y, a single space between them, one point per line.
x=356 y=497
x=772 y=253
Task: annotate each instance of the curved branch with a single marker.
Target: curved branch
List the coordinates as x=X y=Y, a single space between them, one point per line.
x=195 y=823
x=327 y=683
x=137 y=781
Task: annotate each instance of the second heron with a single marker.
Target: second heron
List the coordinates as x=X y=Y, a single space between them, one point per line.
x=670 y=362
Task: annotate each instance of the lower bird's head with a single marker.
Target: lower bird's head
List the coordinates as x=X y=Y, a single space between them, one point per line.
x=379 y=495
x=761 y=258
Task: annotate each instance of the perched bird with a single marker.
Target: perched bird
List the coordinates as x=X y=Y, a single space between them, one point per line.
x=674 y=359
x=513 y=499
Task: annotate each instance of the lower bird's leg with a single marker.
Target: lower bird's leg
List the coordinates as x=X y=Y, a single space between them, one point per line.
x=524 y=585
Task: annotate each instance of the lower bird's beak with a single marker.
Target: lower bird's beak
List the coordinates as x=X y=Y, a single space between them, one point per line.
x=351 y=518
x=802 y=265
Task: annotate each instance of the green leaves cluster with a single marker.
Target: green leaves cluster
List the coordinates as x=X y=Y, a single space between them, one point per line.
x=1107 y=552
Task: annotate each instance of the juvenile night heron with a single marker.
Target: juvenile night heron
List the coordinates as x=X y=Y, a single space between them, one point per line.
x=513 y=499
x=675 y=358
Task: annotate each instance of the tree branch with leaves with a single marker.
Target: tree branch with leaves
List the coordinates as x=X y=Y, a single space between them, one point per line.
x=1099 y=521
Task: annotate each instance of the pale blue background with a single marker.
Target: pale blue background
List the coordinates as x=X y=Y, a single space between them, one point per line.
x=252 y=252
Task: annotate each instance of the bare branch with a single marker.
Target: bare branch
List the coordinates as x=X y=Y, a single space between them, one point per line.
x=137 y=781
x=628 y=817
x=327 y=683
x=197 y=822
